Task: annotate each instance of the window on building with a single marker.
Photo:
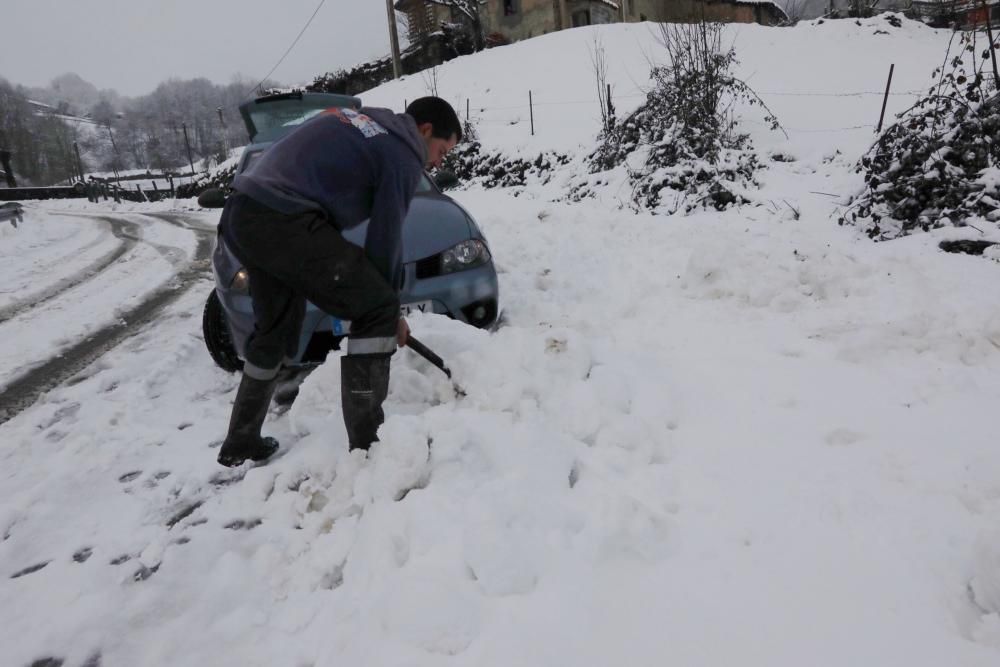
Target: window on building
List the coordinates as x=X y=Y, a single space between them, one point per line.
x=509 y=7
x=581 y=17
x=599 y=15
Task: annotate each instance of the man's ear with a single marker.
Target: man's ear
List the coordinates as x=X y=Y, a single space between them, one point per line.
x=426 y=130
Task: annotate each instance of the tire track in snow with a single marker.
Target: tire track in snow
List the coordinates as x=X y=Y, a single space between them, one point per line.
x=23 y=391
x=128 y=235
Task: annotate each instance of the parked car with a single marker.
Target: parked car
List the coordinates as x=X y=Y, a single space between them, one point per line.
x=448 y=266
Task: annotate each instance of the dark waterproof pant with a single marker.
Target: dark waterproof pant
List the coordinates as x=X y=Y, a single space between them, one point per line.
x=291 y=258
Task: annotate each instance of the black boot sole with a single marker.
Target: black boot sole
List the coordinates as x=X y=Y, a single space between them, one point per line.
x=266 y=450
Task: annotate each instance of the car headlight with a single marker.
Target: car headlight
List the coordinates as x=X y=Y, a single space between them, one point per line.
x=465 y=255
x=241 y=281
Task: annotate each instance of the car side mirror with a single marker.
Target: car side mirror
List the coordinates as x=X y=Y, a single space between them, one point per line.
x=445 y=178
x=212 y=198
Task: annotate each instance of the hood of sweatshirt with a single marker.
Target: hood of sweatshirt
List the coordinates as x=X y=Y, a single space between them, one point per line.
x=403 y=126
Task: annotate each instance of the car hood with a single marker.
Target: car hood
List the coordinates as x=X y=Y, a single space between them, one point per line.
x=433 y=224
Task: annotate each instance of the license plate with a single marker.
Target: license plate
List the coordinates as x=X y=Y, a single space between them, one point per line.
x=339 y=327
x=416 y=307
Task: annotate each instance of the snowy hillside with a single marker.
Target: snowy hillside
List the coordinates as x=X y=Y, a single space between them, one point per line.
x=741 y=438
x=823 y=79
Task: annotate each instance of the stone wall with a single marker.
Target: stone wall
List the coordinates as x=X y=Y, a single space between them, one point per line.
x=530 y=18
x=679 y=11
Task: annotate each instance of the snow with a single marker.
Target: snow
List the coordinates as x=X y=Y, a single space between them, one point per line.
x=824 y=81
x=747 y=437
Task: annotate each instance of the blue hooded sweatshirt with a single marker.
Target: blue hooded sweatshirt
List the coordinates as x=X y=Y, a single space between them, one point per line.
x=350 y=166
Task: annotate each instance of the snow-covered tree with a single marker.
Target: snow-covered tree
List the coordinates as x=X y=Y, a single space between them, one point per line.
x=469 y=11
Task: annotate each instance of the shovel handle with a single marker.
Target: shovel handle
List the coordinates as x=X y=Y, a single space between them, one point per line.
x=427 y=354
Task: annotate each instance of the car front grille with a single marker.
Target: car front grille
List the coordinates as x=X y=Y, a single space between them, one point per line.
x=429 y=267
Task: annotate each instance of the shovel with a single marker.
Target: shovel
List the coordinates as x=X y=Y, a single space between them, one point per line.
x=434 y=359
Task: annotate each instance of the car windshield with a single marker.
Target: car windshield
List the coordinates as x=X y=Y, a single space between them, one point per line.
x=275 y=118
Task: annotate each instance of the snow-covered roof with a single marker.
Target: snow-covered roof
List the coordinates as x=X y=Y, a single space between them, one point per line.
x=956 y=4
x=756 y=2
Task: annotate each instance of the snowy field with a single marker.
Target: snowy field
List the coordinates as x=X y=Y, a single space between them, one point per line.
x=739 y=438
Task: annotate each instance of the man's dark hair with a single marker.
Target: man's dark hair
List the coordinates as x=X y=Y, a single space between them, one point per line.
x=439 y=114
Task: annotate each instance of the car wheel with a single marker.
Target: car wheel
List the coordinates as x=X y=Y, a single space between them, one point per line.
x=217 y=337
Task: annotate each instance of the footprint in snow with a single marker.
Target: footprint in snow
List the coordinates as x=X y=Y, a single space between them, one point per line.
x=129 y=476
x=83 y=554
x=184 y=513
x=843 y=437
x=48 y=662
x=220 y=479
x=28 y=570
x=240 y=524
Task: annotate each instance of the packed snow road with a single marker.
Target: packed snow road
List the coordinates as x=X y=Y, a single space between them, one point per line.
x=67 y=308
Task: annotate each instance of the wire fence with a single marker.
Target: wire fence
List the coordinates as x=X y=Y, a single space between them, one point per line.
x=481 y=114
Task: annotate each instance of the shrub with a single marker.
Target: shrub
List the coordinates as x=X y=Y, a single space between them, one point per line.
x=685 y=134
x=938 y=165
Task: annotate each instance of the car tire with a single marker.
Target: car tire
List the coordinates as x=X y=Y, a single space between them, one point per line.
x=217 y=337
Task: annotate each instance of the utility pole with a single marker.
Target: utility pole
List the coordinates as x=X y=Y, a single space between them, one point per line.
x=118 y=156
x=397 y=67
x=225 y=139
x=79 y=163
x=188 y=144
x=993 y=50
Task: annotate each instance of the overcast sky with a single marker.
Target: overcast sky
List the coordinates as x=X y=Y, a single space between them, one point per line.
x=132 y=45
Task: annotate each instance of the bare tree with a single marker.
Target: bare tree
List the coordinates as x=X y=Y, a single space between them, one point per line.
x=795 y=11
x=862 y=8
x=430 y=77
x=599 y=61
x=470 y=12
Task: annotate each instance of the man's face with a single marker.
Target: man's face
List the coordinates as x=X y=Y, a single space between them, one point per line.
x=436 y=148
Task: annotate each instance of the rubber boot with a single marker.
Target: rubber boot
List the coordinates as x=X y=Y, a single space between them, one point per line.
x=249 y=411
x=364 y=384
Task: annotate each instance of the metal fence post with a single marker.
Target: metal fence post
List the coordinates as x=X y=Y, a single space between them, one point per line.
x=531 y=110
x=885 y=98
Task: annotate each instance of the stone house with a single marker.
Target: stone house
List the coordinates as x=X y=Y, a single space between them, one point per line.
x=968 y=14
x=513 y=20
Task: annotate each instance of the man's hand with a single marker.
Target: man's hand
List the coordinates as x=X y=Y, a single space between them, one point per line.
x=402 y=332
